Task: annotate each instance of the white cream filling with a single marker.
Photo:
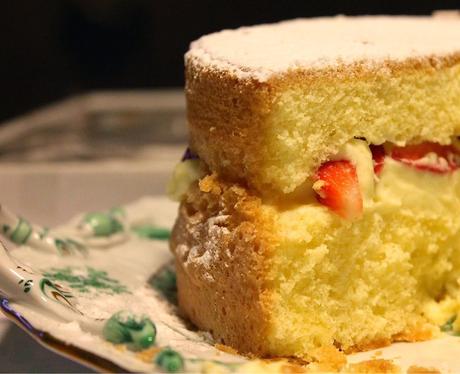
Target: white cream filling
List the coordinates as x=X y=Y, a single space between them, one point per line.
x=358 y=153
x=184 y=174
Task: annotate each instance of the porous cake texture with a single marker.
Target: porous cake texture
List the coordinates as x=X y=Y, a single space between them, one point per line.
x=288 y=281
x=320 y=213
x=268 y=104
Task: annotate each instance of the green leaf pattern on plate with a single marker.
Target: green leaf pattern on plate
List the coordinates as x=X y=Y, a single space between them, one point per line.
x=164 y=281
x=151 y=232
x=448 y=326
x=21 y=232
x=93 y=280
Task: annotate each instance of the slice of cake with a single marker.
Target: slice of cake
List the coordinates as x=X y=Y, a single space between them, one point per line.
x=325 y=214
x=268 y=104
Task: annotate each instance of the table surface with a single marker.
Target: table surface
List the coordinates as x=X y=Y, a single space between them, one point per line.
x=21 y=354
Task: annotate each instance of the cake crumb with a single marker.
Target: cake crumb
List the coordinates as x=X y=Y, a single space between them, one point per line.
x=328 y=359
x=420 y=333
x=290 y=368
x=209 y=184
x=147 y=355
x=368 y=346
x=226 y=349
x=374 y=366
x=422 y=370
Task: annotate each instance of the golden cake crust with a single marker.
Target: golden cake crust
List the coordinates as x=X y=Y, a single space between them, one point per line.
x=225 y=117
x=227 y=295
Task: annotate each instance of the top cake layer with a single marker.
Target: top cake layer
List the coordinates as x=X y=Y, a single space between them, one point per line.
x=267 y=105
x=259 y=52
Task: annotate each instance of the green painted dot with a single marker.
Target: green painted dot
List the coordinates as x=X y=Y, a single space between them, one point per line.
x=152 y=232
x=103 y=224
x=124 y=327
x=5 y=228
x=170 y=360
x=144 y=337
x=21 y=233
x=115 y=332
x=165 y=282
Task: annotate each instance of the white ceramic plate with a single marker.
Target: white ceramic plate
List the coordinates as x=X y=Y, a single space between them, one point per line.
x=65 y=299
x=132 y=275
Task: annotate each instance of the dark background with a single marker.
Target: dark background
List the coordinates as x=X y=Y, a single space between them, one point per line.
x=50 y=49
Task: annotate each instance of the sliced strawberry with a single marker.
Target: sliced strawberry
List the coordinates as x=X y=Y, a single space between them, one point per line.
x=378 y=156
x=444 y=158
x=337 y=187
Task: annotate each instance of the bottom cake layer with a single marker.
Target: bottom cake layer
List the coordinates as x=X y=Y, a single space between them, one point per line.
x=296 y=280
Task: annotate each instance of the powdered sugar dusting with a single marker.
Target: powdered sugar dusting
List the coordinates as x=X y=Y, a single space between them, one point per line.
x=205 y=254
x=259 y=52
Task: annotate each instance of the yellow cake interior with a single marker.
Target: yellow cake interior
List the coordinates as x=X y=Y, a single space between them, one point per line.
x=312 y=118
x=392 y=274
x=355 y=284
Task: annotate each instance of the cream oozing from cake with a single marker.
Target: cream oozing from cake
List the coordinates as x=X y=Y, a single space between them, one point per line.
x=260 y=52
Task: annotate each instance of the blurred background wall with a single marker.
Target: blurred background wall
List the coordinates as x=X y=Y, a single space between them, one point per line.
x=55 y=48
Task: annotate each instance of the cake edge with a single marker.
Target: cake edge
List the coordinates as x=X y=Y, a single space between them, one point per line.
x=225 y=295
x=227 y=115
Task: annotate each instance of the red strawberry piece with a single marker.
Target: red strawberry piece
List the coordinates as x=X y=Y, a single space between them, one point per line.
x=378 y=156
x=446 y=160
x=337 y=187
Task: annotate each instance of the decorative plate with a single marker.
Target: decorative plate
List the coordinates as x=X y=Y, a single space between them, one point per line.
x=101 y=290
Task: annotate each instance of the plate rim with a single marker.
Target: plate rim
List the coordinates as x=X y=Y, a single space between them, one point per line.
x=69 y=351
